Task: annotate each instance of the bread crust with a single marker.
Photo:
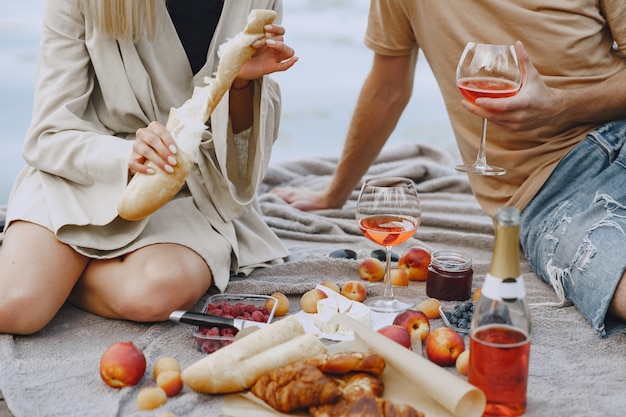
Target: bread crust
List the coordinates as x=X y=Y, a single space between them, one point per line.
x=146 y=193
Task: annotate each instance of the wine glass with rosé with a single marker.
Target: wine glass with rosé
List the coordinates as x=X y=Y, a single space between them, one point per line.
x=388 y=212
x=492 y=71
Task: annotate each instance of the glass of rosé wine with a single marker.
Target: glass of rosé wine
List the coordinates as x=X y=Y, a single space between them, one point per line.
x=492 y=71
x=388 y=212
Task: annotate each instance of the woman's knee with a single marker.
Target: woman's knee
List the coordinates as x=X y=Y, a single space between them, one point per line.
x=162 y=287
x=22 y=313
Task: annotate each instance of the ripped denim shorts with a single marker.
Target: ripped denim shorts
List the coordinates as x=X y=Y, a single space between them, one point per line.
x=573 y=232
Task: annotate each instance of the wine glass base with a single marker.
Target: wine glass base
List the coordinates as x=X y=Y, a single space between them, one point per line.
x=481 y=169
x=383 y=304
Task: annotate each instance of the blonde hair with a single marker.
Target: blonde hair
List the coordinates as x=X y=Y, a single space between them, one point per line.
x=125 y=20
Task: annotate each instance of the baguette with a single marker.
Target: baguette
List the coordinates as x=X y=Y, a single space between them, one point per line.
x=237 y=366
x=145 y=194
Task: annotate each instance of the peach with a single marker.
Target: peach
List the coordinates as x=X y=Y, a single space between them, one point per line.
x=333 y=286
x=371 y=269
x=415 y=322
x=354 y=290
x=462 y=362
x=170 y=382
x=414 y=261
x=399 y=278
x=122 y=364
x=282 y=305
x=397 y=333
x=150 y=398
x=309 y=300
x=165 y=363
x=430 y=307
x=444 y=345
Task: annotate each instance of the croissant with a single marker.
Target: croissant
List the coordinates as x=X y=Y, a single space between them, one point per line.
x=366 y=406
x=344 y=362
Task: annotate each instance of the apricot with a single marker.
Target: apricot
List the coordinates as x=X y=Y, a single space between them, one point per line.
x=165 y=363
x=430 y=307
x=282 y=305
x=170 y=382
x=371 y=269
x=309 y=300
x=333 y=286
x=354 y=290
x=399 y=278
x=150 y=398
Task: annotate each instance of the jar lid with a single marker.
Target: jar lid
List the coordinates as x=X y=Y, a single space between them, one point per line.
x=450 y=260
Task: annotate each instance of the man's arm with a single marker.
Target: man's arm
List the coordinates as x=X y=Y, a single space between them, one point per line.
x=384 y=96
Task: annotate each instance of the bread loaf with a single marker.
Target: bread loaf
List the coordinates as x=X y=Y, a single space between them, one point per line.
x=237 y=366
x=145 y=194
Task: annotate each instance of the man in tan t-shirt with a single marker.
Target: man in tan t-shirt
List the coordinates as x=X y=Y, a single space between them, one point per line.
x=573 y=56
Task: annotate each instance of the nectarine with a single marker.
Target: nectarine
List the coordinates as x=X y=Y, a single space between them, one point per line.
x=354 y=290
x=414 y=261
x=444 y=345
x=309 y=300
x=122 y=364
x=415 y=322
x=371 y=269
x=397 y=333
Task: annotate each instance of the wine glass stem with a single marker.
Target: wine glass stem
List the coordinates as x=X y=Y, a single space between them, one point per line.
x=481 y=158
x=388 y=293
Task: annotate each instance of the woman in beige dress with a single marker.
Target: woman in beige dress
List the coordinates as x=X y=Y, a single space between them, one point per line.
x=103 y=94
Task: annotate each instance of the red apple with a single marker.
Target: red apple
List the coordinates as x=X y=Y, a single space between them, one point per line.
x=415 y=322
x=397 y=333
x=444 y=345
x=354 y=290
x=399 y=278
x=415 y=262
x=371 y=269
x=462 y=363
x=309 y=300
x=122 y=364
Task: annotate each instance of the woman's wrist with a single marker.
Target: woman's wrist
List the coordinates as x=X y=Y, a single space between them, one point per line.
x=241 y=85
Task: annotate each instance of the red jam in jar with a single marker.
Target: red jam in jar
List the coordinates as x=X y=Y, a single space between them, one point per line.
x=450 y=276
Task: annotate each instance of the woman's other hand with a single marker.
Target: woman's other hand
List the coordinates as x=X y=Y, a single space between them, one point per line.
x=153 y=143
x=271 y=55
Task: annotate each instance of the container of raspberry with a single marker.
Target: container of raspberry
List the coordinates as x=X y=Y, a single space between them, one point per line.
x=240 y=306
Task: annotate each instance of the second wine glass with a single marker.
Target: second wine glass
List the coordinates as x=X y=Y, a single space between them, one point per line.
x=487 y=70
x=388 y=213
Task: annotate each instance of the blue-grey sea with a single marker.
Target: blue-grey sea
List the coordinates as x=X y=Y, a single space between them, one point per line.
x=319 y=92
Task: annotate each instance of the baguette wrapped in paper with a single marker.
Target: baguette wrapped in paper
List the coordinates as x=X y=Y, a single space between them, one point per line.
x=147 y=193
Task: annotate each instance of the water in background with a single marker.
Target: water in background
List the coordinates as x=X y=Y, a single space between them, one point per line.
x=319 y=92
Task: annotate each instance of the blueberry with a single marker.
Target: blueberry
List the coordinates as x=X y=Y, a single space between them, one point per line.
x=463 y=324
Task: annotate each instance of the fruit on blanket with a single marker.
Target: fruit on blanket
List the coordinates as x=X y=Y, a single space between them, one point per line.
x=170 y=382
x=282 y=304
x=399 y=278
x=309 y=300
x=122 y=364
x=414 y=261
x=371 y=269
x=165 y=363
x=415 y=322
x=333 y=286
x=397 y=333
x=167 y=414
x=476 y=295
x=354 y=290
x=462 y=362
x=430 y=307
x=444 y=345
x=150 y=398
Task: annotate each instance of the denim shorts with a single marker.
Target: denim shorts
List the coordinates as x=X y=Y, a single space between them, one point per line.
x=573 y=232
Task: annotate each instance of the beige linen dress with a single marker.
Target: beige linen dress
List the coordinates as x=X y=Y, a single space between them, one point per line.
x=92 y=94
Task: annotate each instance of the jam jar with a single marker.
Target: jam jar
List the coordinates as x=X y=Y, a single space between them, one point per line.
x=450 y=276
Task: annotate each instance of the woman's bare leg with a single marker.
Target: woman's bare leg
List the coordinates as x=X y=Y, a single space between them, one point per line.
x=37 y=273
x=145 y=286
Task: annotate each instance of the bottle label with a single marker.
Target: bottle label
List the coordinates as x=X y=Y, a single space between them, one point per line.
x=507 y=289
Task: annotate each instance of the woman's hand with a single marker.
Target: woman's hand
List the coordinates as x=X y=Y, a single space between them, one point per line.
x=272 y=55
x=153 y=143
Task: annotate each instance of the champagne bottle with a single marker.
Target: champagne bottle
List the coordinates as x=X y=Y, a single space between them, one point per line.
x=500 y=329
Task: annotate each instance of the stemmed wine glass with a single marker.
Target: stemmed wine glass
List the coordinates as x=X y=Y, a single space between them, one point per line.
x=388 y=212
x=487 y=70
